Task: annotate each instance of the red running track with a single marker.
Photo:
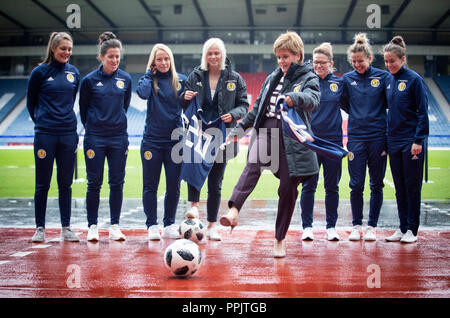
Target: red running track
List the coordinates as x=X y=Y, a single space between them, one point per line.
x=241 y=265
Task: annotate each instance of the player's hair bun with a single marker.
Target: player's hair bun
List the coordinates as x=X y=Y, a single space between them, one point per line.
x=398 y=40
x=105 y=36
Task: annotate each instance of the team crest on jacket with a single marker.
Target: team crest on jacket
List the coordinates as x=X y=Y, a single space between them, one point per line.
x=375 y=82
x=90 y=153
x=179 y=86
x=334 y=87
x=297 y=88
x=231 y=86
x=120 y=84
x=70 y=77
x=41 y=153
x=401 y=86
x=351 y=156
x=148 y=155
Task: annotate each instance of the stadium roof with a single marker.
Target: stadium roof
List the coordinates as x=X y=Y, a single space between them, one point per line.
x=29 y=19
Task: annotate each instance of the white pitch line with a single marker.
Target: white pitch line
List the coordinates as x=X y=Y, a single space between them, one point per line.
x=389 y=183
x=21 y=254
x=4 y=262
x=41 y=246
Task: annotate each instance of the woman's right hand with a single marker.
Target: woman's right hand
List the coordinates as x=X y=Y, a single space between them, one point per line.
x=189 y=95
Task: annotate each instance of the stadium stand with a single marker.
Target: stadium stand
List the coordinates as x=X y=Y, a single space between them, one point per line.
x=443 y=82
x=439 y=126
x=20 y=131
x=11 y=92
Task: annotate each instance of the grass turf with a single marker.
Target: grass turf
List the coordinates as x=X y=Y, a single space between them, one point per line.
x=17 y=178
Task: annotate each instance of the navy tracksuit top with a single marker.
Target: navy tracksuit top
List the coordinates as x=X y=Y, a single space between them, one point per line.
x=326 y=120
x=104 y=101
x=408 y=108
x=163 y=109
x=364 y=99
x=51 y=93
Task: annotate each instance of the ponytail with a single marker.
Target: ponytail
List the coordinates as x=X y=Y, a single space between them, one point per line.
x=53 y=42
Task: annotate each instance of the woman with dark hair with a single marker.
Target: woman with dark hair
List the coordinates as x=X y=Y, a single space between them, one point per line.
x=407 y=131
x=105 y=95
x=52 y=88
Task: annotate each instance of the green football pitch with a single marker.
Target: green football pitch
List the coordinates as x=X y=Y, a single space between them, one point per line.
x=17 y=178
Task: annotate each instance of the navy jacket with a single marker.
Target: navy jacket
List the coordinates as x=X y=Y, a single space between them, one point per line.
x=408 y=105
x=163 y=109
x=51 y=93
x=326 y=120
x=104 y=101
x=364 y=99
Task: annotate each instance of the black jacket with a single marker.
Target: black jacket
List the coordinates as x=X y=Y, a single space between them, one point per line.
x=302 y=86
x=231 y=90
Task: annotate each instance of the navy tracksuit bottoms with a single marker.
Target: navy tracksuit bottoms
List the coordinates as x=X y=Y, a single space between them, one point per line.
x=407 y=172
x=153 y=156
x=47 y=149
x=363 y=154
x=332 y=171
x=115 y=150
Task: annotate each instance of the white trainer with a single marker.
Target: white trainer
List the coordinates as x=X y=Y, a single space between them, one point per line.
x=409 y=237
x=39 y=235
x=153 y=233
x=308 y=234
x=92 y=235
x=370 y=234
x=356 y=233
x=68 y=235
x=115 y=233
x=213 y=234
x=396 y=237
x=192 y=213
x=332 y=234
x=171 y=232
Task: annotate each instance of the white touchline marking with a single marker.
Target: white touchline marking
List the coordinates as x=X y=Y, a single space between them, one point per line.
x=21 y=254
x=41 y=246
x=4 y=262
x=389 y=183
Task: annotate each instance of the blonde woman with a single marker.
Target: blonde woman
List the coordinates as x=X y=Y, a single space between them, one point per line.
x=222 y=93
x=160 y=86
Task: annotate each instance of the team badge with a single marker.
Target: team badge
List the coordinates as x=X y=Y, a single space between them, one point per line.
x=120 y=84
x=148 y=155
x=70 y=77
x=351 y=156
x=41 y=153
x=90 y=153
x=179 y=86
x=231 y=87
x=401 y=86
x=333 y=87
x=297 y=88
x=374 y=83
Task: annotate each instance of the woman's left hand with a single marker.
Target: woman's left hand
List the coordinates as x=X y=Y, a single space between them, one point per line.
x=227 y=118
x=416 y=149
x=289 y=102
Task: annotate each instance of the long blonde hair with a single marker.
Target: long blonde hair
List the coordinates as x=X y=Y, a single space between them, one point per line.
x=173 y=71
x=53 y=42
